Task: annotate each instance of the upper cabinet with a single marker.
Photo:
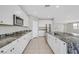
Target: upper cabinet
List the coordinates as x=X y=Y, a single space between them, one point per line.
x=7 y=12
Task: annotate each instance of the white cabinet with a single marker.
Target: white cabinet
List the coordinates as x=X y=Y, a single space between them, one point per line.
x=17 y=46
x=12 y=49
x=58 y=46
x=22 y=42
x=7 y=11
x=4 y=50
x=7 y=48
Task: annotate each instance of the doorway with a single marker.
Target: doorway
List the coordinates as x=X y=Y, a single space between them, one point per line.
x=35 y=28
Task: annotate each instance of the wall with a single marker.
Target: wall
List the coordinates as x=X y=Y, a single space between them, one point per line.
x=7 y=11
x=6 y=15
x=69 y=28
x=58 y=27
x=42 y=23
x=30 y=22
x=33 y=25
x=54 y=26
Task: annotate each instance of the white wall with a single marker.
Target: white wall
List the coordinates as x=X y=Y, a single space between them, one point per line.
x=58 y=27
x=54 y=26
x=42 y=23
x=6 y=15
x=33 y=26
x=7 y=11
x=30 y=22
x=69 y=28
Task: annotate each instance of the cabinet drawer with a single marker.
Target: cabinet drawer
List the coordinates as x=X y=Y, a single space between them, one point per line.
x=16 y=46
x=7 y=47
x=57 y=45
x=11 y=50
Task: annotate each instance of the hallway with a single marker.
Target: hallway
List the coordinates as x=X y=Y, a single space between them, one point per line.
x=38 y=46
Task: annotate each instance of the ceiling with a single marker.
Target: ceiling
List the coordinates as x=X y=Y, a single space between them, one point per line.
x=61 y=13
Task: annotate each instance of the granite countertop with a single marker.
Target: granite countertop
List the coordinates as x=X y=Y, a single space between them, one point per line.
x=67 y=37
x=10 y=39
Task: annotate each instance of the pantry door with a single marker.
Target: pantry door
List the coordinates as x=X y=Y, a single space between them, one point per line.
x=35 y=28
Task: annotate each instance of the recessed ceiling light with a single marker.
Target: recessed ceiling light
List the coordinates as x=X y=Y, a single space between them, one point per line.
x=57 y=6
x=48 y=16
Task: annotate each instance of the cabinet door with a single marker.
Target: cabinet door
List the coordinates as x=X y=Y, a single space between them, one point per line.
x=60 y=47
x=12 y=48
x=55 y=48
x=4 y=49
x=16 y=46
x=57 y=45
x=63 y=47
x=22 y=42
x=51 y=41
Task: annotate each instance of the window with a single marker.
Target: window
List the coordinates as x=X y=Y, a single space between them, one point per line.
x=75 y=26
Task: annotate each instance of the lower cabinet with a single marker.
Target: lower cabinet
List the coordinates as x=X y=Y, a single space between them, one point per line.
x=8 y=48
x=17 y=46
x=58 y=46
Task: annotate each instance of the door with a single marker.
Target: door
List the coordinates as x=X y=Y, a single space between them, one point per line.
x=35 y=28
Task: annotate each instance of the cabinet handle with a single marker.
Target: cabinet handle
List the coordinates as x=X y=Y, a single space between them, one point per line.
x=11 y=49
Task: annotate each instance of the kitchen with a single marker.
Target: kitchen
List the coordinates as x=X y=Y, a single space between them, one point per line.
x=21 y=24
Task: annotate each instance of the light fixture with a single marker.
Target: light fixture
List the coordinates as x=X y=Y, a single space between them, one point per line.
x=48 y=16
x=47 y=5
